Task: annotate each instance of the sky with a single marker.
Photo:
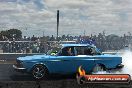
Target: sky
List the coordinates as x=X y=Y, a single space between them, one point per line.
x=77 y=17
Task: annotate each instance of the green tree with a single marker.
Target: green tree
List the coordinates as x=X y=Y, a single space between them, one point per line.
x=12 y=33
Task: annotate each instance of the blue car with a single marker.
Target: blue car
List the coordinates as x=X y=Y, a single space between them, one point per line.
x=65 y=59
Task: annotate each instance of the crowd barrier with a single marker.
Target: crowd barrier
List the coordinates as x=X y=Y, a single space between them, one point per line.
x=13 y=56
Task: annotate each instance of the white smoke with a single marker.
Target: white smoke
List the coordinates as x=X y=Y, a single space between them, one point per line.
x=126 y=61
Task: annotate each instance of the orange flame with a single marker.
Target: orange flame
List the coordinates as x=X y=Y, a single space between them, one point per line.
x=81 y=71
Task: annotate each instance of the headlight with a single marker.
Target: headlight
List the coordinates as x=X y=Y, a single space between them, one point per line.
x=19 y=63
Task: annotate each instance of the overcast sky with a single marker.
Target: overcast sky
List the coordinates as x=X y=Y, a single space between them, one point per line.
x=33 y=17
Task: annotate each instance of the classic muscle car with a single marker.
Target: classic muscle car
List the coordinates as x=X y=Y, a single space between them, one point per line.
x=66 y=59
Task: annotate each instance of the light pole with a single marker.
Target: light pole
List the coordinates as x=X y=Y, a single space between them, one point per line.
x=57 y=23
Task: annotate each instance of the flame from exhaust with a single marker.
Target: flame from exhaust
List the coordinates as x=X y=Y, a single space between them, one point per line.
x=81 y=71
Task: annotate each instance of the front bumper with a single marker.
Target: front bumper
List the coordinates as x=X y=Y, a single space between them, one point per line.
x=19 y=69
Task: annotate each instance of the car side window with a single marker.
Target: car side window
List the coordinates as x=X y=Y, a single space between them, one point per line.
x=84 y=50
x=59 y=53
x=79 y=51
x=88 y=51
x=67 y=51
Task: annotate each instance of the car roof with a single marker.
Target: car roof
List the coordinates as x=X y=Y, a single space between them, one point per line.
x=68 y=45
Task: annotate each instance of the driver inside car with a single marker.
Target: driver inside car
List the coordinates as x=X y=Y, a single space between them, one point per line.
x=67 y=51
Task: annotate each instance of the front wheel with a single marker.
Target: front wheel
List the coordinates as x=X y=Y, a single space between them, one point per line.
x=39 y=72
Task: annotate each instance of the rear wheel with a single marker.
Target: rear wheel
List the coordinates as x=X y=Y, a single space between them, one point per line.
x=39 y=72
x=98 y=68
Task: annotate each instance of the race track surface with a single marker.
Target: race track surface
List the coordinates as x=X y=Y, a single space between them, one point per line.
x=11 y=79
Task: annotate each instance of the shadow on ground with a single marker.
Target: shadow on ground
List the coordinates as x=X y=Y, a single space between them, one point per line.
x=27 y=77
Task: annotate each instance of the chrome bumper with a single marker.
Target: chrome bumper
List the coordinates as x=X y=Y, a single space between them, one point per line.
x=120 y=66
x=19 y=68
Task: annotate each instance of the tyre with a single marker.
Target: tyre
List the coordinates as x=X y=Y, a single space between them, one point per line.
x=98 y=68
x=39 y=72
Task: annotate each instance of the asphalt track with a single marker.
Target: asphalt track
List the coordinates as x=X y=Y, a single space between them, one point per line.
x=12 y=79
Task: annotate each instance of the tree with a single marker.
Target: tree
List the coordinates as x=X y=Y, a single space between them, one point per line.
x=12 y=33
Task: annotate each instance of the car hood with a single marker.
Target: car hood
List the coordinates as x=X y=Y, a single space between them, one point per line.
x=34 y=57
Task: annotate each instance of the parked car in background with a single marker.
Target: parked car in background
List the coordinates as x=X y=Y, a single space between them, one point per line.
x=65 y=59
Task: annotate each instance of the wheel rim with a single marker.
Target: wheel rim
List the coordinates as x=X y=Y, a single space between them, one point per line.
x=39 y=72
x=98 y=68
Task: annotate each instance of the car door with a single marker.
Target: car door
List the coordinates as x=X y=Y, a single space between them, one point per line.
x=66 y=64
x=70 y=64
x=84 y=58
x=63 y=63
x=86 y=61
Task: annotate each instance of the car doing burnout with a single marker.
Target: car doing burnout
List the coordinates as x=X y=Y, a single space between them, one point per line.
x=57 y=60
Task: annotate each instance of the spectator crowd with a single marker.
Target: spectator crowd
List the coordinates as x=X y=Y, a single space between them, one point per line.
x=43 y=44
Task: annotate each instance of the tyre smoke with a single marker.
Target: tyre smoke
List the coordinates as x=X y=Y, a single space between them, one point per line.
x=126 y=61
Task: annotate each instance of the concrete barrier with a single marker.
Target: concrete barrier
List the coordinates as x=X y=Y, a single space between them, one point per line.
x=13 y=56
x=112 y=52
